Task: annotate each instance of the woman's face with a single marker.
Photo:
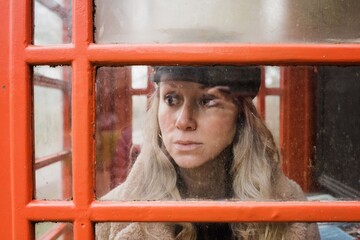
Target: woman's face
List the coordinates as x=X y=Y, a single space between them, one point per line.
x=196 y=122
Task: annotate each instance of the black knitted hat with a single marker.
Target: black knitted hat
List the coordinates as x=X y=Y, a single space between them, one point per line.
x=241 y=80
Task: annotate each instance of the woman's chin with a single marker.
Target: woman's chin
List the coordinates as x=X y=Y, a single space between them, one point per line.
x=189 y=162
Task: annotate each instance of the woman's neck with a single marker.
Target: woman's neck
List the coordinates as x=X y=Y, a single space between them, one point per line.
x=209 y=181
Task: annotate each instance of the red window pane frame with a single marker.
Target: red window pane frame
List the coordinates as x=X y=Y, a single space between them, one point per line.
x=18 y=209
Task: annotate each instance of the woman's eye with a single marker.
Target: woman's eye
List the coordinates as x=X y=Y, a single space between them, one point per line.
x=208 y=101
x=171 y=99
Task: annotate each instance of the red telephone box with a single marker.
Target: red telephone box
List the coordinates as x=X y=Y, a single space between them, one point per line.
x=78 y=210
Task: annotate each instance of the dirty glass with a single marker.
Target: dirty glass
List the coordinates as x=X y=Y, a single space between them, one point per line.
x=214 y=230
x=52 y=21
x=121 y=103
x=272 y=116
x=186 y=21
x=52 y=135
x=54 y=230
x=122 y=128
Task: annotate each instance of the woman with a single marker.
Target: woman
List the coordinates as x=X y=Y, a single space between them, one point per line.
x=205 y=140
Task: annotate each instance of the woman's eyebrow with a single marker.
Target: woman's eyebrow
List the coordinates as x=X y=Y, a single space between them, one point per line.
x=221 y=89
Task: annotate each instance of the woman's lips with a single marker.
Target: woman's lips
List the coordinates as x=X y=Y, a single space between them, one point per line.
x=186 y=145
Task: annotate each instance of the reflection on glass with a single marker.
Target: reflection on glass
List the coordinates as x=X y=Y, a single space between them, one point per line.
x=114 y=111
x=183 y=21
x=54 y=230
x=52 y=124
x=52 y=22
x=139 y=77
x=161 y=156
x=272 y=77
x=119 y=119
x=139 y=110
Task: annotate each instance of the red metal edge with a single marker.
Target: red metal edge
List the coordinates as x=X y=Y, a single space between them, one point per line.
x=226 y=211
x=273 y=54
x=6 y=220
x=44 y=210
x=50 y=55
x=21 y=128
x=229 y=211
x=83 y=120
x=259 y=54
x=198 y=211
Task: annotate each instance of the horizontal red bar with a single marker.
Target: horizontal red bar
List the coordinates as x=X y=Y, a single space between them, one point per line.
x=199 y=211
x=225 y=54
x=63 y=211
x=272 y=54
x=54 y=54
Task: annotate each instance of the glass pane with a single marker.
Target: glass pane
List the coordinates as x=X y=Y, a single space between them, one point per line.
x=184 y=21
x=54 y=230
x=52 y=136
x=113 y=126
x=197 y=115
x=139 y=110
x=322 y=230
x=52 y=21
x=139 y=77
x=272 y=77
x=272 y=116
x=338 y=134
x=49 y=182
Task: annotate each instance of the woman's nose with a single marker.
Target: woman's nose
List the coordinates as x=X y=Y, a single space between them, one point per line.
x=186 y=120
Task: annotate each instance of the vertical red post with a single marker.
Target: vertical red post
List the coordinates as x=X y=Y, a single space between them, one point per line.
x=261 y=95
x=83 y=117
x=21 y=126
x=297 y=124
x=6 y=197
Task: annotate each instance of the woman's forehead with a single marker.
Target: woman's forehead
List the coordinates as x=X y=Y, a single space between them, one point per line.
x=184 y=84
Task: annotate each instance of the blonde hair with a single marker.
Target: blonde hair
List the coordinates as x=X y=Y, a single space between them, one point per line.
x=256 y=160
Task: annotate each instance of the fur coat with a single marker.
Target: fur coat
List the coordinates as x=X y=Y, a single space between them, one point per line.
x=285 y=190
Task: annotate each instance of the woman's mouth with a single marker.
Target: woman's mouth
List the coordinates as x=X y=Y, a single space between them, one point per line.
x=186 y=145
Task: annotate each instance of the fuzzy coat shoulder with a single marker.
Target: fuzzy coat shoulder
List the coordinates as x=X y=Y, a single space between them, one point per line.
x=285 y=190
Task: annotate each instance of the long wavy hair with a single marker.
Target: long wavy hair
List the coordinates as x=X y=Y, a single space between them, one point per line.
x=254 y=167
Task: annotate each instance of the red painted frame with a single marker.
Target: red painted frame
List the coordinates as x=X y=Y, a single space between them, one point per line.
x=5 y=170
x=19 y=210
